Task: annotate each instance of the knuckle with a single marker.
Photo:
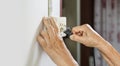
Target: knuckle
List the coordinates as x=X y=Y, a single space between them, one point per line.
x=49 y=46
x=42 y=33
x=74 y=28
x=38 y=38
x=42 y=43
x=86 y=25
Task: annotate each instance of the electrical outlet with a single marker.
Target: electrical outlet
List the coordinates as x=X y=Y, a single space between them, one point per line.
x=61 y=22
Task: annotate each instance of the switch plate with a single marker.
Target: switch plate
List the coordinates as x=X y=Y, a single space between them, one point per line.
x=61 y=22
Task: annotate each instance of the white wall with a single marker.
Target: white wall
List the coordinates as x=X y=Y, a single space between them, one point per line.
x=19 y=20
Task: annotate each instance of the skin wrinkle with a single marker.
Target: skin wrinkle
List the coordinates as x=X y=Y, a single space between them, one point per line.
x=45 y=28
x=43 y=33
x=41 y=41
x=55 y=25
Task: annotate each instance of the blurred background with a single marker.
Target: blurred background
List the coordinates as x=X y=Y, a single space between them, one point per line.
x=103 y=16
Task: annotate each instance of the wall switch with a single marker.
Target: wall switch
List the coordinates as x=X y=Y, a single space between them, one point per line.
x=61 y=22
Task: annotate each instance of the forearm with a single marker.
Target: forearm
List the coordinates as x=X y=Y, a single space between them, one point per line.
x=106 y=59
x=90 y=38
x=107 y=50
x=69 y=65
x=69 y=61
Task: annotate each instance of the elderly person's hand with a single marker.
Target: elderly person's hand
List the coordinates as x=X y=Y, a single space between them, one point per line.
x=90 y=38
x=53 y=44
x=86 y=35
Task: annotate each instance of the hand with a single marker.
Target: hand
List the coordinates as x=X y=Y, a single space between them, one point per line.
x=53 y=44
x=86 y=35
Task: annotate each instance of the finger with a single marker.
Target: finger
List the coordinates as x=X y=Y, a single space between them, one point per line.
x=45 y=36
x=76 y=38
x=79 y=33
x=49 y=29
x=76 y=29
x=53 y=23
x=43 y=19
x=41 y=41
x=47 y=25
x=86 y=27
x=48 y=39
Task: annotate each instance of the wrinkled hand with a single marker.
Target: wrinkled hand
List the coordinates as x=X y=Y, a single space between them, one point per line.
x=86 y=35
x=53 y=44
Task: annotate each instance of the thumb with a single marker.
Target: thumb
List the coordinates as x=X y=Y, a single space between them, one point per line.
x=75 y=38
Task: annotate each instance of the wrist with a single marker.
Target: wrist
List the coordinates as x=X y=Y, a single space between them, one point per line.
x=102 y=43
x=107 y=49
